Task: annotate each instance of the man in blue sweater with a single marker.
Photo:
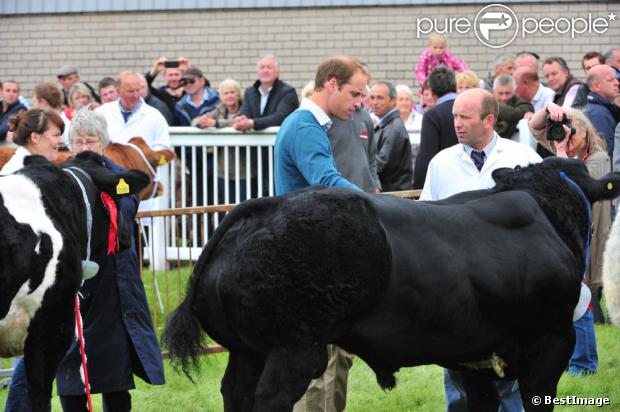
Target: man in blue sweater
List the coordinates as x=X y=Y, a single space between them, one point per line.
x=303 y=154
x=600 y=109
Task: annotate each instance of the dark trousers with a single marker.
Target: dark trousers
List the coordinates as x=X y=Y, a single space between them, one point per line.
x=112 y=402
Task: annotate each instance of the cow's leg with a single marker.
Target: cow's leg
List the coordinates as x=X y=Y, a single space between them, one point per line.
x=481 y=393
x=286 y=377
x=240 y=379
x=49 y=336
x=541 y=371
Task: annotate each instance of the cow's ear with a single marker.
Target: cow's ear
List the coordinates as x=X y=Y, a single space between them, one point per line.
x=501 y=172
x=608 y=187
x=164 y=156
x=129 y=182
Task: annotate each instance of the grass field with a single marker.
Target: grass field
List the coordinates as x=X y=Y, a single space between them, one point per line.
x=418 y=389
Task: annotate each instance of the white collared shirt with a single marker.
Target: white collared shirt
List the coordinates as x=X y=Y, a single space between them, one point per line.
x=324 y=120
x=146 y=122
x=264 y=95
x=452 y=171
x=544 y=95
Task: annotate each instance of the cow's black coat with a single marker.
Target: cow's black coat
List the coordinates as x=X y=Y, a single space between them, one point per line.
x=490 y=274
x=51 y=329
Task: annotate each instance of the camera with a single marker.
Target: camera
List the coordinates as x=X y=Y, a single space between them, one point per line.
x=555 y=130
x=169 y=64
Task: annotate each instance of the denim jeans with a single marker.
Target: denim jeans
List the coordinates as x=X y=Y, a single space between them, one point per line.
x=456 y=398
x=585 y=356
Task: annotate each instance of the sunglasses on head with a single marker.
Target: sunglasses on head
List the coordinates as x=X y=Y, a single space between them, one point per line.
x=190 y=81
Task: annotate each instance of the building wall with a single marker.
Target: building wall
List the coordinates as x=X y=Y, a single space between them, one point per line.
x=227 y=43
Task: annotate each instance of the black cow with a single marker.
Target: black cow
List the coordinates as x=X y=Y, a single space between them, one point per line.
x=43 y=241
x=484 y=282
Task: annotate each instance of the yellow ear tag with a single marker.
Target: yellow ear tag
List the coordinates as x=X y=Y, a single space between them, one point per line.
x=162 y=160
x=122 y=188
x=610 y=186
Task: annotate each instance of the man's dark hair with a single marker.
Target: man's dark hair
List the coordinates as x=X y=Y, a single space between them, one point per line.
x=341 y=68
x=591 y=55
x=557 y=60
x=391 y=89
x=441 y=81
x=105 y=82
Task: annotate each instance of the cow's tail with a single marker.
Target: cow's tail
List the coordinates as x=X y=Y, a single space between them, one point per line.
x=611 y=273
x=183 y=337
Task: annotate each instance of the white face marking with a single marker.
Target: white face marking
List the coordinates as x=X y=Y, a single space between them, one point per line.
x=23 y=200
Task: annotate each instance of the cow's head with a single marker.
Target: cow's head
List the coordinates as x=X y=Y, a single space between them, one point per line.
x=116 y=186
x=138 y=155
x=559 y=186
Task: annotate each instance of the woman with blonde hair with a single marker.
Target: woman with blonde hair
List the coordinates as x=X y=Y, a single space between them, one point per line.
x=584 y=143
x=79 y=96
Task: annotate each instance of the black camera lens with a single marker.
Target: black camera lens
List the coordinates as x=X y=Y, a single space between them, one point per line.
x=556 y=132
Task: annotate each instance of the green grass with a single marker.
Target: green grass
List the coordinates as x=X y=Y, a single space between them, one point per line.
x=418 y=389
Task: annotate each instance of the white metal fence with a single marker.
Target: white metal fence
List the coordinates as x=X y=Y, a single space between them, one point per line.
x=213 y=167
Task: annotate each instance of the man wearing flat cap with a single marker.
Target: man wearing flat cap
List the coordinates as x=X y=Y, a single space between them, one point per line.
x=199 y=98
x=68 y=76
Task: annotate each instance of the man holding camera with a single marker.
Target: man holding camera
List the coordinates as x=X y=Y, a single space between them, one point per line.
x=469 y=165
x=171 y=92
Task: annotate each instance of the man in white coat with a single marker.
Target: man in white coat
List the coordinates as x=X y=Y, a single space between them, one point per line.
x=130 y=116
x=468 y=166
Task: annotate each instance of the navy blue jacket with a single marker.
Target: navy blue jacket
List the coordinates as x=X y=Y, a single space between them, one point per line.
x=12 y=110
x=601 y=114
x=186 y=112
x=281 y=102
x=118 y=330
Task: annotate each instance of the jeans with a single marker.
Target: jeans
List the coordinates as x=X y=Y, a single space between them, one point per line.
x=17 y=398
x=456 y=398
x=585 y=357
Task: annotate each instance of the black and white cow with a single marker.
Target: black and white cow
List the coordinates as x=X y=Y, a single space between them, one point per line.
x=485 y=282
x=43 y=241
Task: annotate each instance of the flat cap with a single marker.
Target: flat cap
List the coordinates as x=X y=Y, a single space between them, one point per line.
x=66 y=70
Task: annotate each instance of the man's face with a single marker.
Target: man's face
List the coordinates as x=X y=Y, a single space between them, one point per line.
x=470 y=129
x=380 y=100
x=342 y=102
x=503 y=94
x=615 y=59
x=508 y=67
x=267 y=71
x=555 y=75
x=108 y=93
x=524 y=90
x=194 y=84
x=129 y=91
x=172 y=77
x=68 y=81
x=590 y=63
x=606 y=84
x=144 y=88
x=10 y=92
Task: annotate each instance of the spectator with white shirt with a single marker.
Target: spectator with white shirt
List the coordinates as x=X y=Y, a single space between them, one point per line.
x=130 y=116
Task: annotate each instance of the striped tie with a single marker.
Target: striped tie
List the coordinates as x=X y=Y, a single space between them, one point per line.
x=478 y=158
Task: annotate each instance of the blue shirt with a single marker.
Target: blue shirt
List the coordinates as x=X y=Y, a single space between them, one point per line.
x=303 y=154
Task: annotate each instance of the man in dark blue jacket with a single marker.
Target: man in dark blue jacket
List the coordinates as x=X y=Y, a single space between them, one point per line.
x=600 y=108
x=198 y=100
x=266 y=103
x=11 y=106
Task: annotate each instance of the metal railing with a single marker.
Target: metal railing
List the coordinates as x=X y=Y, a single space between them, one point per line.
x=213 y=167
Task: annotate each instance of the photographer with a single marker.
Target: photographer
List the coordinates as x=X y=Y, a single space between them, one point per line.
x=581 y=141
